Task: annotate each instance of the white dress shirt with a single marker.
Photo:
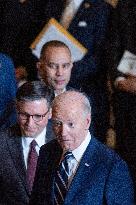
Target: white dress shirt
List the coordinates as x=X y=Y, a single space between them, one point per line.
x=40 y=139
x=78 y=153
x=77 y=3
x=61 y=92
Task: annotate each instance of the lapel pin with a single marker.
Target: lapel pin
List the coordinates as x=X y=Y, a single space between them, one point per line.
x=87 y=165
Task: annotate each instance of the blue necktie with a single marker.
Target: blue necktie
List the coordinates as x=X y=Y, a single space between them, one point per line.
x=61 y=179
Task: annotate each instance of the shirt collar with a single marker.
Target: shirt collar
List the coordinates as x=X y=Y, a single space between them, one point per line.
x=61 y=92
x=78 y=3
x=79 y=151
x=40 y=139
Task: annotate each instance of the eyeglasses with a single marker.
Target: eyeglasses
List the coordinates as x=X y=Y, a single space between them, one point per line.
x=36 y=118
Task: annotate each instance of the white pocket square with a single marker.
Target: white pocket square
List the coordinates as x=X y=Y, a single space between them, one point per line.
x=82 y=24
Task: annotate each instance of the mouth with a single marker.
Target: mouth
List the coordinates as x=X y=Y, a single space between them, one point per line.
x=62 y=140
x=29 y=129
x=60 y=82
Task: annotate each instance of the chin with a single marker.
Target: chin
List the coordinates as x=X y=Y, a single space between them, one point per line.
x=60 y=88
x=67 y=147
x=30 y=134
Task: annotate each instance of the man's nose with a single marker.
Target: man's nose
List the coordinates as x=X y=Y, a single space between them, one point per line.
x=64 y=130
x=30 y=121
x=60 y=70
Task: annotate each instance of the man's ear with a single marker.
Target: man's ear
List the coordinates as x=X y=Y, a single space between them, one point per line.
x=71 y=65
x=39 y=69
x=38 y=65
x=88 y=121
x=50 y=113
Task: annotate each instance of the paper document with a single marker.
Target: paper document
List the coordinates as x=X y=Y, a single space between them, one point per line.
x=127 y=63
x=54 y=31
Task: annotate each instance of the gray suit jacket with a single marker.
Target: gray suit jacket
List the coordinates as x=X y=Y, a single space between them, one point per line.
x=13 y=186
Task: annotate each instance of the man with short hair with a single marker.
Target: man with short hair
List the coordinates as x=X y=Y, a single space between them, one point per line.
x=55 y=65
x=76 y=168
x=20 y=144
x=88 y=22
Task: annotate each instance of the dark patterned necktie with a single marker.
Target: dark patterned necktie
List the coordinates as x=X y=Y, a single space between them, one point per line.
x=61 y=179
x=31 y=164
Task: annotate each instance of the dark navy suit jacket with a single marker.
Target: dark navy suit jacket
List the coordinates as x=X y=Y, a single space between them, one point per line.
x=102 y=177
x=13 y=186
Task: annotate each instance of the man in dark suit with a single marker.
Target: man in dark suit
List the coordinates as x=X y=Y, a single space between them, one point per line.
x=93 y=173
x=21 y=22
x=88 y=26
x=33 y=101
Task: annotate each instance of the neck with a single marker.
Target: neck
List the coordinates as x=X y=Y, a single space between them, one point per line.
x=58 y=92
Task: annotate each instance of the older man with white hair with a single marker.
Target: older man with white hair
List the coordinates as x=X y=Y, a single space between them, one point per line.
x=76 y=168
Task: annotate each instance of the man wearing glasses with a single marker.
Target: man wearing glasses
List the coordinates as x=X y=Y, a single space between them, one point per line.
x=20 y=144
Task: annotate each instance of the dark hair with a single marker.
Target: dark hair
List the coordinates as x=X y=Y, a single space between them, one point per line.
x=53 y=43
x=35 y=90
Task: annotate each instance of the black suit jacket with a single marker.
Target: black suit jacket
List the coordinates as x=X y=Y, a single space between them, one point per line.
x=13 y=186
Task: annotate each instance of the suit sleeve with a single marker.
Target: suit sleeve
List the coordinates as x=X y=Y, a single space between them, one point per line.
x=119 y=188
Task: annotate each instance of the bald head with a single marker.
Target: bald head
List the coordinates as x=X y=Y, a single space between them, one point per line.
x=71 y=113
x=55 y=65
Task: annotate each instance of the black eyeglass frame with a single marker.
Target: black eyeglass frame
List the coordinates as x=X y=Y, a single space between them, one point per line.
x=26 y=116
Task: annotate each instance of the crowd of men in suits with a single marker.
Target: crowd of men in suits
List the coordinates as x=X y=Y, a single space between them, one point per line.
x=97 y=174
x=71 y=118
x=71 y=113
x=23 y=20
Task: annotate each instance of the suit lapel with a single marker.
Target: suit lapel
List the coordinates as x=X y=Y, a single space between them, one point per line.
x=86 y=168
x=49 y=132
x=15 y=147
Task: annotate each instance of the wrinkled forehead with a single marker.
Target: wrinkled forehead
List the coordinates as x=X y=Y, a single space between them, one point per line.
x=68 y=102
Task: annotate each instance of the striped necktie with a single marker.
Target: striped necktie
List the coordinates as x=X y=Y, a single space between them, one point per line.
x=31 y=164
x=61 y=179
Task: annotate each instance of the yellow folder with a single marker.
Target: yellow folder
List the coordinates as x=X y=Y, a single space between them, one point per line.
x=54 y=31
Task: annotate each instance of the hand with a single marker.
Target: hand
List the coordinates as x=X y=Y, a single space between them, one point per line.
x=127 y=84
